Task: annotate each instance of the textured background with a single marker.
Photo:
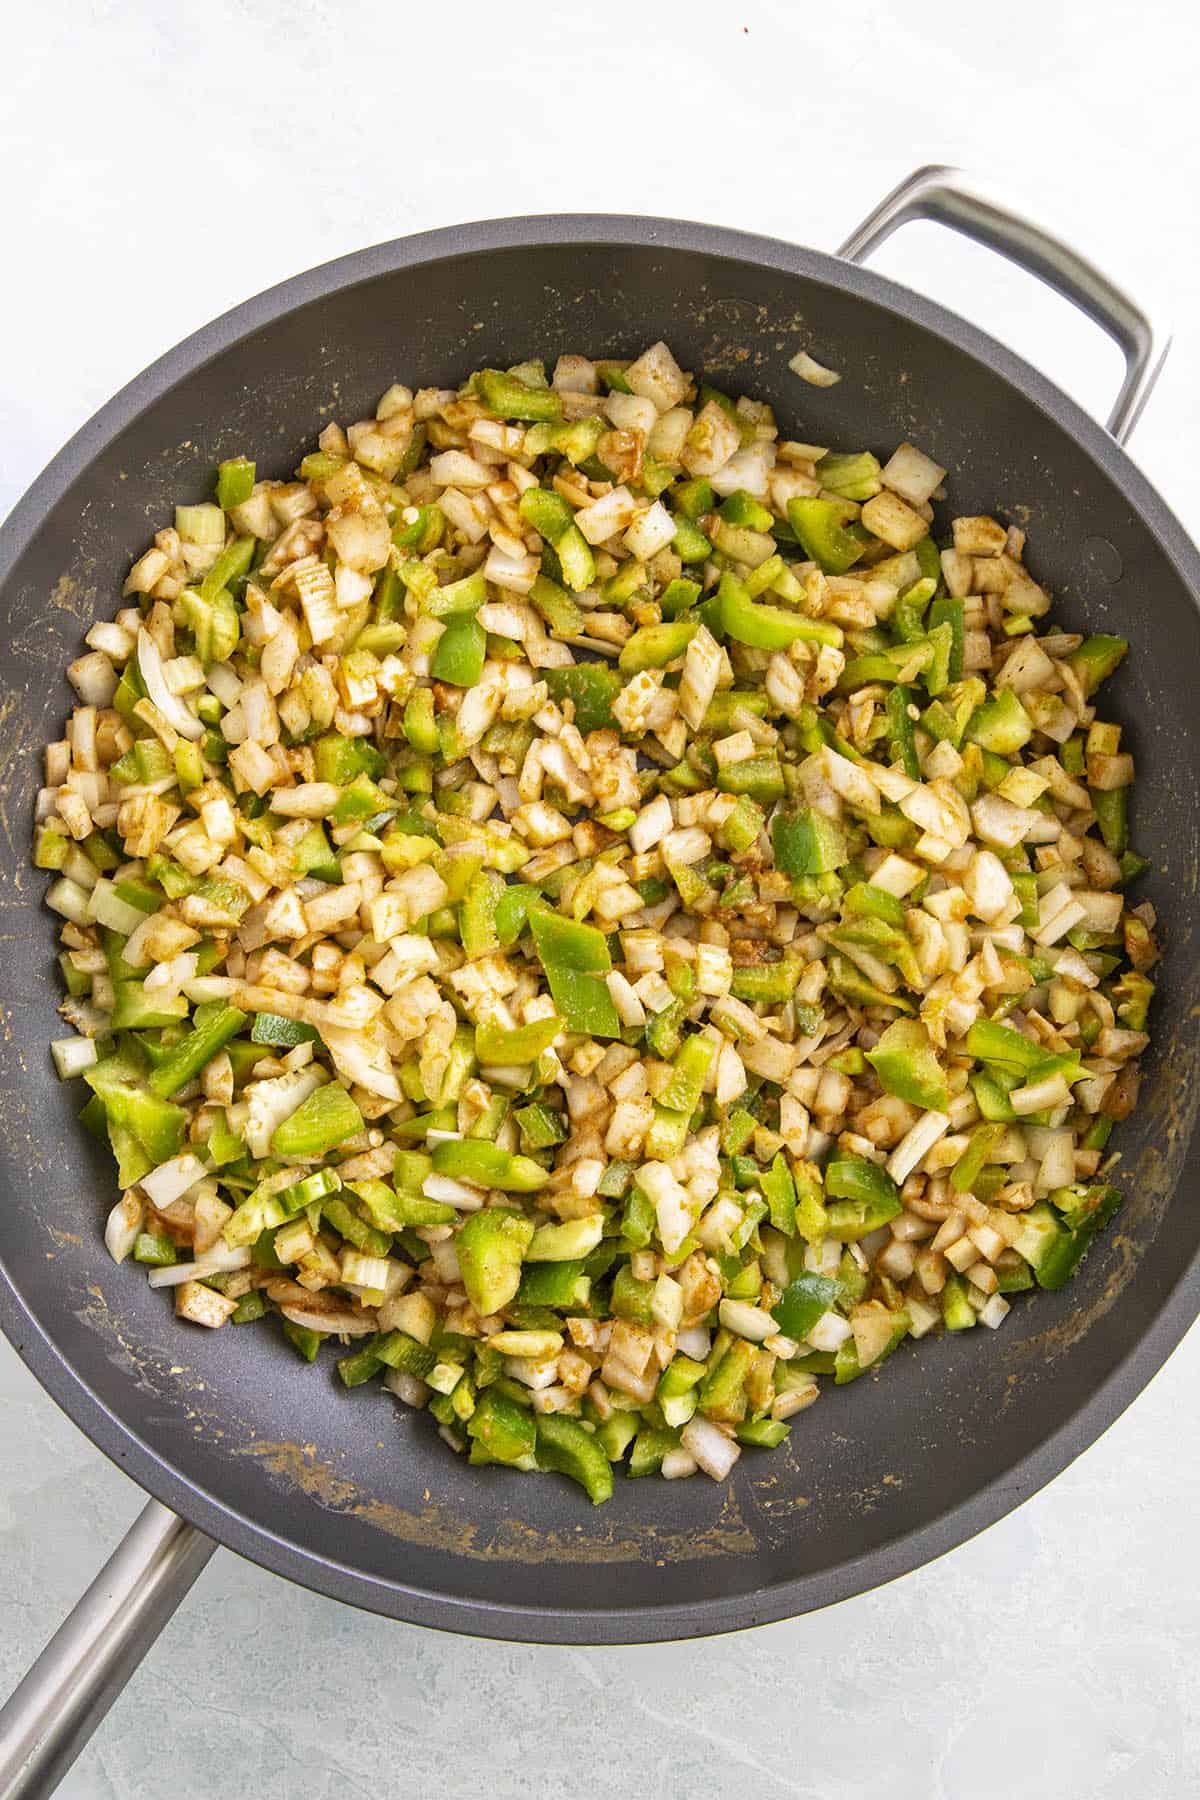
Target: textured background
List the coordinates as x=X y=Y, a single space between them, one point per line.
x=165 y=163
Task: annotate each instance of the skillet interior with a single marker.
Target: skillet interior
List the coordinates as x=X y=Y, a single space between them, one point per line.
x=347 y=1494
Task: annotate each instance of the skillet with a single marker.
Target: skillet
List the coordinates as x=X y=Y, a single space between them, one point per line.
x=235 y=1442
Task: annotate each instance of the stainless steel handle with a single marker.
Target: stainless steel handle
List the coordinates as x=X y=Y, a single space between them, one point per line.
x=49 y=1718
x=947 y=197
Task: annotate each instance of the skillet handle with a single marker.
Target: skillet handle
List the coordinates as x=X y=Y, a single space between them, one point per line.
x=50 y=1716
x=946 y=196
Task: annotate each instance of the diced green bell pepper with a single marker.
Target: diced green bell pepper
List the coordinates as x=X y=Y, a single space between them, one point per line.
x=654 y=646
x=591 y=688
x=631 y=1298
x=231 y=565
x=567 y=1447
x=779 y=1191
x=807 y=843
x=1096 y=659
x=459 y=653
x=511 y=398
x=860 y=1197
x=902 y=746
x=235 y=482
x=1001 y=724
x=154 y=1249
x=556 y=1284
x=304 y=1341
x=553 y=519
x=649 y=1447
x=967 y=1169
x=762 y=1434
x=491 y=1245
x=325 y=1119
x=761 y=627
x=957 y=1312
x=948 y=611
x=197 y=1049
x=1111 y=806
x=474 y=1159
x=818 y=524
x=905 y=1062
x=281 y=1033
x=505 y=1430
x=847 y=1366
x=568 y=1241
x=854 y=475
x=689 y=543
x=458 y=599
x=805 y=1300
x=722 y=1393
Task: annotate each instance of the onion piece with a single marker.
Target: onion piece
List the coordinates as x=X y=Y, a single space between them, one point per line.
x=217 y=1261
x=715 y=1453
x=409 y=1388
x=73 y=1055
x=344 y=1324
x=179 y=717
x=809 y=369
x=747 y=1321
x=695 y=1341
x=172 y=1179
x=122 y=1226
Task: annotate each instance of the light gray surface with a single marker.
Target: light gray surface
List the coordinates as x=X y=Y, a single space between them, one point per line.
x=165 y=162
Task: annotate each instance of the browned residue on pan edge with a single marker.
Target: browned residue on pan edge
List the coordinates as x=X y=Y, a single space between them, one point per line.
x=513 y=1540
x=434 y=1526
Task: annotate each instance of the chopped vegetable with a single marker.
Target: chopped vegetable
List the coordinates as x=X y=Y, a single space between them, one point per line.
x=608 y=911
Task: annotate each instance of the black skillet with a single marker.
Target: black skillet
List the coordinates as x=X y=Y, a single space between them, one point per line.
x=364 y=1503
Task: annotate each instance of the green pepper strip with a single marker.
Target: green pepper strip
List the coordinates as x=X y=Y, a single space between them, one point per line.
x=823 y=537
x=967 y=1169
x=654 y=646
x=520 y=1044
x=568 y=1447
x=901 y=742
x=490 y=1247
x=325 y=1119
x=188 y=1058
x=474 y=1159
x=511 y=398
x=767 y=627
x=233 y=561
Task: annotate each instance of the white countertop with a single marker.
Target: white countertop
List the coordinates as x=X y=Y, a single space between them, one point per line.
x=163 y=163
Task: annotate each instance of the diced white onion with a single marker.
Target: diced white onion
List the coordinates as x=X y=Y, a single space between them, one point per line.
x=747 y=1321
x=453 y=1193
x=810 y=370
x=715 y=1453
x=172 y=1179
x=73 y=1055
x=122 y=1226
x=916 y=1144
x=829 y=1333
x=343 y=1323
x=172 y=708
x=220 y=1260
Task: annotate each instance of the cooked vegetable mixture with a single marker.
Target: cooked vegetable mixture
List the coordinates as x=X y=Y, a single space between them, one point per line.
x=600 y=910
